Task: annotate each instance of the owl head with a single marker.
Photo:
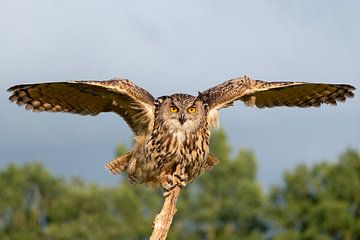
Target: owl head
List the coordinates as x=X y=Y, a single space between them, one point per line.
x=181 y=112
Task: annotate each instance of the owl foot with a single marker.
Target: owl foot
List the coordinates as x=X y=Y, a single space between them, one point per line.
x=168 y=183
x=181 y=180
x=181 y=176
x=178 y=178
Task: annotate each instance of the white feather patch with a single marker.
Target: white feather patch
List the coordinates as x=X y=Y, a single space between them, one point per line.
x=213 y=118
x=180 y=135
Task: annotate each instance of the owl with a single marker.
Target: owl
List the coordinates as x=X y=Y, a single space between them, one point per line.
x=171 y=133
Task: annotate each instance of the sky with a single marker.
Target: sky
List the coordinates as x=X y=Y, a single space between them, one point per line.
x=169 y=46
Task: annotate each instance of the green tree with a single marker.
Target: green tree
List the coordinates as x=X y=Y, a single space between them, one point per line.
x=322 y=202
x=90 y=212
x=319 y=202
x=26 y=192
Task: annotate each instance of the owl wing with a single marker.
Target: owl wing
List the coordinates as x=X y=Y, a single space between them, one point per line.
x=121 y=96
x=272 y=94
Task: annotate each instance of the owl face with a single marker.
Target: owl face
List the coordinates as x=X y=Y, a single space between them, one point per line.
x=182 y=112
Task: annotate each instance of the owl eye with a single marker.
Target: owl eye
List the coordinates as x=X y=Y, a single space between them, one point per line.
x=174 y=109
x=191 y=110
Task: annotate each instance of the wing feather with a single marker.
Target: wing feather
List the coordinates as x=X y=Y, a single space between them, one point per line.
x=272 y=94
x=121 y=96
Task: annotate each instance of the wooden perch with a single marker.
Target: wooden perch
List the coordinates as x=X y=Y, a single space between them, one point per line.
x=163 y=220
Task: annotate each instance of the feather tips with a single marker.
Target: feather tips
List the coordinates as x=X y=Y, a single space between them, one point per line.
x=121 y=96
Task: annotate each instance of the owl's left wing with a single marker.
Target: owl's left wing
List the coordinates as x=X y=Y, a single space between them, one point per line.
x=272 y=94
x=121 y=96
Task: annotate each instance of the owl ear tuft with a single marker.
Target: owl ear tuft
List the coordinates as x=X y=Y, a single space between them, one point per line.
x=202 y=97
x=160 y=100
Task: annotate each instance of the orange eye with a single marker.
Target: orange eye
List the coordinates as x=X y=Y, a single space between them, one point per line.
x=174 y=109
x=191 y=110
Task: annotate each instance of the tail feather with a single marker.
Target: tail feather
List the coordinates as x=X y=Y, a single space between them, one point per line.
x=119 y=164
x=211 y=161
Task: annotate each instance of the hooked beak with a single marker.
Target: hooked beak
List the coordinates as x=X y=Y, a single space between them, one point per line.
x=182 y=118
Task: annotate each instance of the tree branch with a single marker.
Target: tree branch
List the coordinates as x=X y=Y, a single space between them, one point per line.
x=163 y=220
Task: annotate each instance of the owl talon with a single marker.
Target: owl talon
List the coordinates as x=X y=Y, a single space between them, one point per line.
x=180 y=176
x=168 y=183
x=182 y=180
x=171 y=184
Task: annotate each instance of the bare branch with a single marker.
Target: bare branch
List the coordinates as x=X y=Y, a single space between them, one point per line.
x=163 y=220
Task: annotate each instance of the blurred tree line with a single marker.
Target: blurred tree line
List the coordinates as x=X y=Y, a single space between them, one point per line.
x=318 y=202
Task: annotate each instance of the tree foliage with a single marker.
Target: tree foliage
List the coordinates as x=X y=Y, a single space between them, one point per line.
x=318 y=202
x=321 y=202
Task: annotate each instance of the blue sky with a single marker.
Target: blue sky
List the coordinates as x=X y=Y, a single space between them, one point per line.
x=179 y=46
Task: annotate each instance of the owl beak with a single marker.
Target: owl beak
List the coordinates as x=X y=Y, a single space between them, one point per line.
x=182 y=118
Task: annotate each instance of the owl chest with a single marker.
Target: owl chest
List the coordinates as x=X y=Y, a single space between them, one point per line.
x=178 y=146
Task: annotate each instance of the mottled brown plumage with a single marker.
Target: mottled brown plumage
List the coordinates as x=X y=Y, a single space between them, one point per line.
x=89 y=98
x=170 y=131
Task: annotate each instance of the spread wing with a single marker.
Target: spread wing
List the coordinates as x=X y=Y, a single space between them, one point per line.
x=121 y=96
x=272 y=94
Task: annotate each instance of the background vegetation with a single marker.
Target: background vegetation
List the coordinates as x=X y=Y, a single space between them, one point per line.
x=317 y=202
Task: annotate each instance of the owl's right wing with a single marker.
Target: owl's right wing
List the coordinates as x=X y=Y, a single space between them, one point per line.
x=121 y=96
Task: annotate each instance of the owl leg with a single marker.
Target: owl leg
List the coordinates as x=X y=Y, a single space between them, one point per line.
x=167 y=182
x=178 y=178
x=119 y=164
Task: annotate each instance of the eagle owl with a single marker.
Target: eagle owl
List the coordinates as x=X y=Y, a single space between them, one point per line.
x=171 y=132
